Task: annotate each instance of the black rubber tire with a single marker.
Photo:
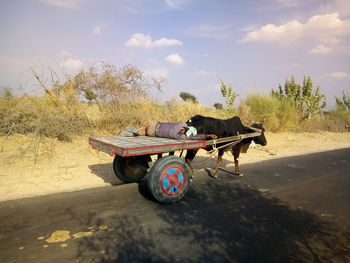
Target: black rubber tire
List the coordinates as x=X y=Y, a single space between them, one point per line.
x=131 y=169
x=169 y=179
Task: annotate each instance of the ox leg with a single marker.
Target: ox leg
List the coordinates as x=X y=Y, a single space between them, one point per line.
x=236 y=150
x=190 y=154
x=214 y=172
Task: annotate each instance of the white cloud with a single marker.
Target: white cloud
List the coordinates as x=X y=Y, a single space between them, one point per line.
x=145 y=41
x=69 y=4
x=165 y=42
x=72 y=64
x=327 y=29
x=139 y=40
x=338 y=75
x=204 y=73
x=156 y=73
x=272 y=33
x=321 y=49
x=97 y=29
x=175 y=59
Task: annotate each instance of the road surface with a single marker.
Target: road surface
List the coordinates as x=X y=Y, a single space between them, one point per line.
x=294 y=209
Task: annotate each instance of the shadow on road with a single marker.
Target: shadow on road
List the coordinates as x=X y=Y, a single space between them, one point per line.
x=218 y=221
x=105 y=171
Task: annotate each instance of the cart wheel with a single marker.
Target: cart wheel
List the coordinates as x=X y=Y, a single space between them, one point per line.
x=131 y=169
x=169 y=179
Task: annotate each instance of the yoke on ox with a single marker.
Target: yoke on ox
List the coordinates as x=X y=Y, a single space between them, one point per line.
x=225 y=128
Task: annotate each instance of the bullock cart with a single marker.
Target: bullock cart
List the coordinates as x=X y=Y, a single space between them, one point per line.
x=169 y=176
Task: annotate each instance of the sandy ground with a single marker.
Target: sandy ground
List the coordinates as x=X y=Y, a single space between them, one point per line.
x=33 y=168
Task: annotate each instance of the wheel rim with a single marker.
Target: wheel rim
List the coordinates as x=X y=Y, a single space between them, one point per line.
x=173 y=180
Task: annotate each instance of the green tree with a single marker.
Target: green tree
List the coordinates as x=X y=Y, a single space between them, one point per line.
x=218 y=106
x=229 y=95
x=313 y=102
x=305 y=98
x=185 y=96
x=343 y=103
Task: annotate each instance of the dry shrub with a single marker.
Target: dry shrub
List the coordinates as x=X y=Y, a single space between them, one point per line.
x=18 y=115
x=343 y=116
x=287 y=116
x=263 y=109
x=245 y=114
x=224 y=113
x=120 y=98
x=276 y=115
x=114 y=117
x=60 y=124
x=41 y=117
x=333 y=122
x=186 y=110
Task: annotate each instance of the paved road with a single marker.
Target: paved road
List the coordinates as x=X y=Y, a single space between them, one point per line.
x=286 y=210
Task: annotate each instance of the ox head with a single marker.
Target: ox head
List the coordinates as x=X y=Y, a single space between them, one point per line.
x=260 y=139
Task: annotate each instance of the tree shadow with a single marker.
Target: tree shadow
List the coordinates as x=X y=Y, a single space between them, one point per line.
x=216 y=222
x=105 y=171
x=221 y=220
x=240 y=224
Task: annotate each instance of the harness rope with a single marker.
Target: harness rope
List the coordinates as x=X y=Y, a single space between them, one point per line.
x=215 y=149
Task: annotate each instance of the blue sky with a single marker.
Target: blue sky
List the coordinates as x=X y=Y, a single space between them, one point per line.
x=253 y=44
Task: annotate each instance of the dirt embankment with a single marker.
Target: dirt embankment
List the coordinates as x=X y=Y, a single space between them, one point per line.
x=31 y=168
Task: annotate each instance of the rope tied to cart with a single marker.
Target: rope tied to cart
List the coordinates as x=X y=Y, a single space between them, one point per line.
x=227 y=145
x=216 y=149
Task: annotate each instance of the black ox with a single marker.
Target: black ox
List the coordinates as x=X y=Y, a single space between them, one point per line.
x=224 y=128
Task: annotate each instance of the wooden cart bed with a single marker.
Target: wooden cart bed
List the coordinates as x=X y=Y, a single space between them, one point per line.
x=145 y=145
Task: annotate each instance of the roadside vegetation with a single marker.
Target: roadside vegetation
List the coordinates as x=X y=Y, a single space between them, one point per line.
x=104 y=100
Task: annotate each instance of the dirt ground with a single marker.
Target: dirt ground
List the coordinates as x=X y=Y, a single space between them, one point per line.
x=34 y=167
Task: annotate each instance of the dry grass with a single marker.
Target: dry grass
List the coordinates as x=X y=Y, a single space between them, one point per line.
x=40 y=122
x=115 y=117
x=31 y=128
x=48 y=119
x=44 y=118
x=333 y=122
x=30 y=115
x=277 y=115
x=281 y=116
